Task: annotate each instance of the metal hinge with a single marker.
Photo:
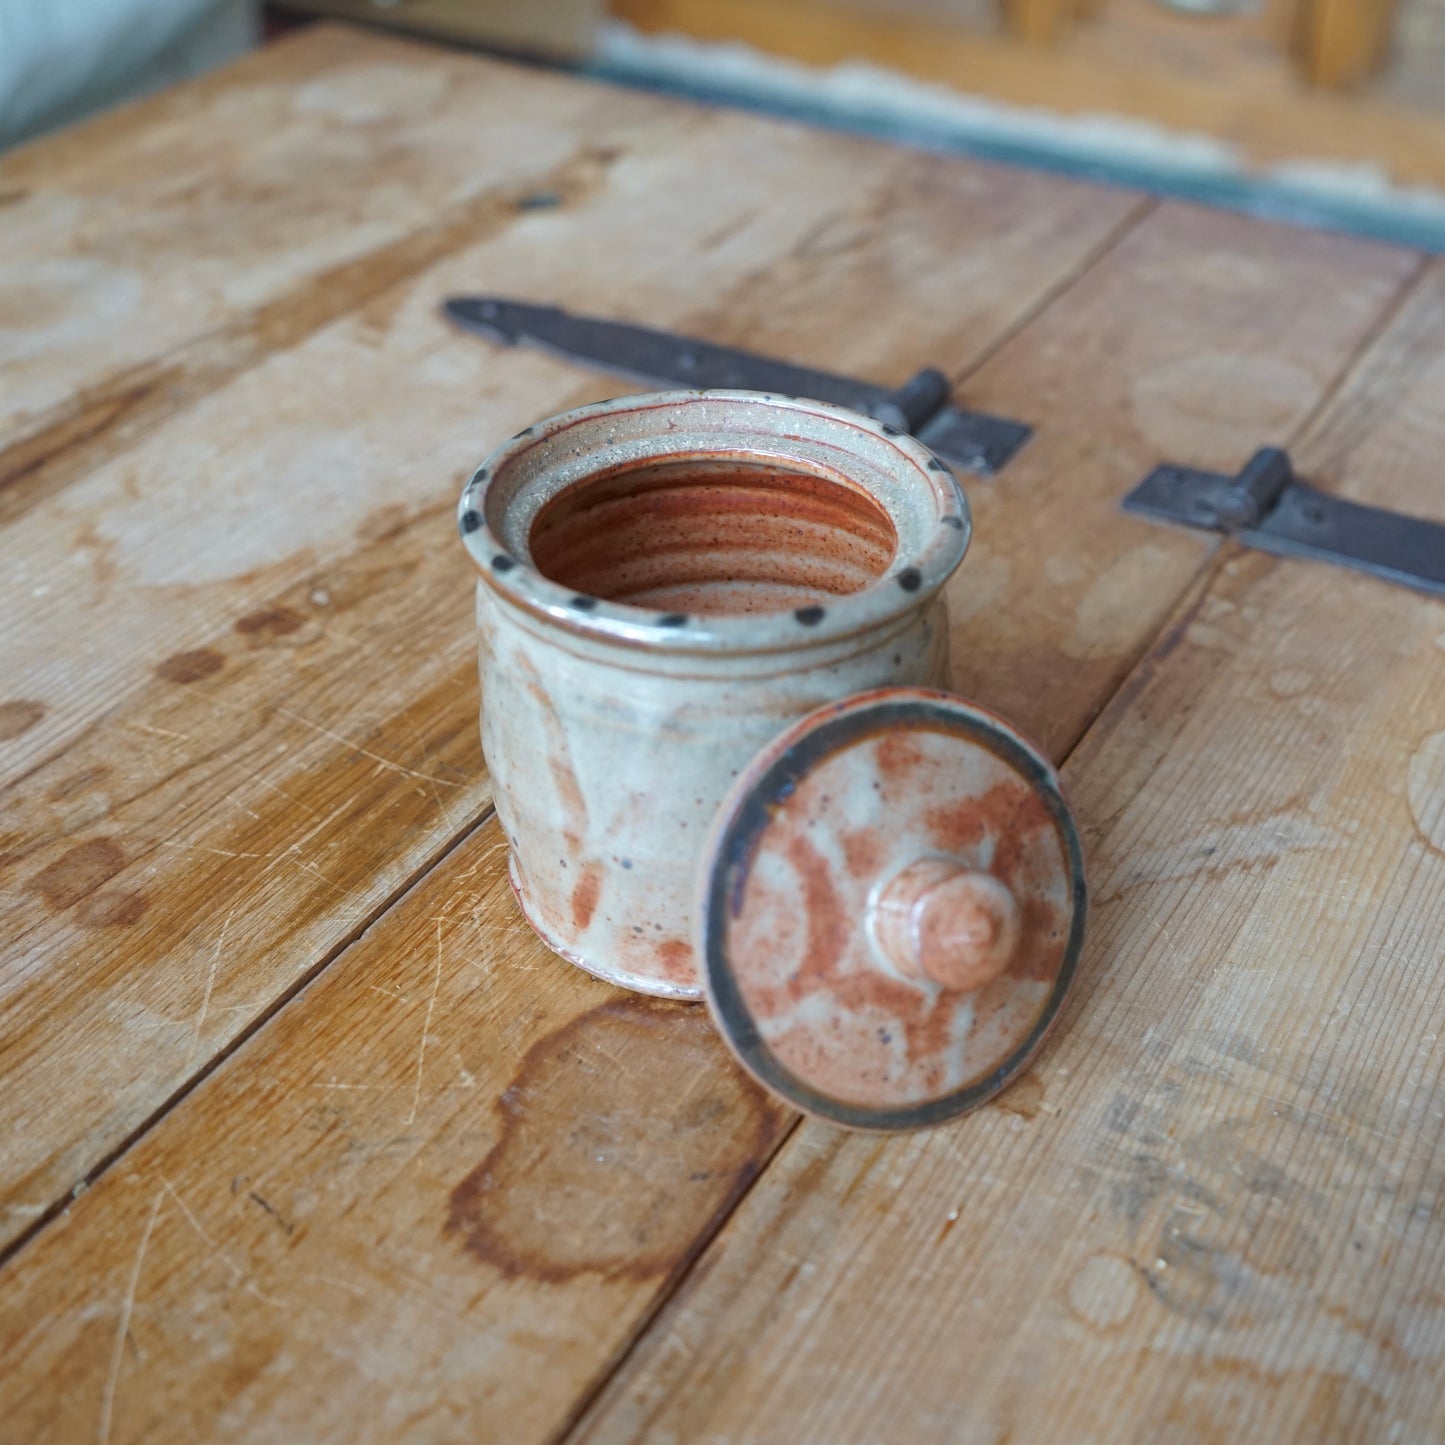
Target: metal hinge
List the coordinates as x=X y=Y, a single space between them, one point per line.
x=921 y=405
x=1267 y=507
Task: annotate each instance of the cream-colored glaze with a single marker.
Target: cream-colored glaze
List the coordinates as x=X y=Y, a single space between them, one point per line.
x=613 y=730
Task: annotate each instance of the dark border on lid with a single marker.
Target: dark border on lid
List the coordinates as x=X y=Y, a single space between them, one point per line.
x=747 y=814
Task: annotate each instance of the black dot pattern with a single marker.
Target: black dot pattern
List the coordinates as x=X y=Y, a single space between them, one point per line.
x=471 y=520
x=909 y=579
x=672 y=619
x=810 y=616
x=503 y=563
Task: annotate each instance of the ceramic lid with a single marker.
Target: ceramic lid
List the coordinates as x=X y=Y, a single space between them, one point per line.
x=892 y=909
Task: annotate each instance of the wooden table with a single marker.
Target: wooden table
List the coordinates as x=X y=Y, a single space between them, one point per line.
x=304 y=1136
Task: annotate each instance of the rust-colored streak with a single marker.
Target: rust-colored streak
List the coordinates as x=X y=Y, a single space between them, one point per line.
x=113 y=908
x=19 y=716
x=586 y=1118
x=899 y=754
x=269 y=622
x=78 y=873
x=585 y=895
x=183 y=667
x=827 y=921
x=863 y=853
x=559 y=754
x=1010 y=812
x=677 y=960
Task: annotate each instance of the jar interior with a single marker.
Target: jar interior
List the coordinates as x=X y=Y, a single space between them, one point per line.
x=721 y=536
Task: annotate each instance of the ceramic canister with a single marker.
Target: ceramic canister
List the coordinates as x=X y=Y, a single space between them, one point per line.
x=667 y=582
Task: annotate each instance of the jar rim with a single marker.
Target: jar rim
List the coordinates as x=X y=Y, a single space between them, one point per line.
x=919 y=493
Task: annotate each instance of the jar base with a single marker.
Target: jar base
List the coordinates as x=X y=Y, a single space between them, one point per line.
x=622 y=978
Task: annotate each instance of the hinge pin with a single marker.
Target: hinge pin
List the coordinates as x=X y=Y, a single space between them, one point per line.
x=1256 y=489
x=915 y=403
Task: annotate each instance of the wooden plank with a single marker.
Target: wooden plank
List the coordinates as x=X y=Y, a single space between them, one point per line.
x=239 y=200
x=378 y=1251
x=1199 y=337
x=248 y=715
x=507 y=1165
x=1212 y=1209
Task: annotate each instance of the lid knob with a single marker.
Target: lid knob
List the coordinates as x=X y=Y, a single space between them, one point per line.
x=939 y=920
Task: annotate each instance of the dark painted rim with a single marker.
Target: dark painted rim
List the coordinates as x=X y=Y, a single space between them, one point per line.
x=912 y=580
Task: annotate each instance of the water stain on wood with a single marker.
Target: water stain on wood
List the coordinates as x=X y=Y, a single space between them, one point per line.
x=183 y=667
x=136 y=401
x=587 y=1122
x=39 y=465
x=19 y=716
x=78 y=873
x=1024 y=1097
x=113 y=908
x=268 y=623
x=1425 y=790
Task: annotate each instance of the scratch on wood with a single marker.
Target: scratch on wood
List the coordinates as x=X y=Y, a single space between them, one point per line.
x=296 y=802
x=426 y=1028
x=206 y=997
x=203 y=848
x=365 y=752
x=141 y=727
x=216 y=1251
x=107 y=1401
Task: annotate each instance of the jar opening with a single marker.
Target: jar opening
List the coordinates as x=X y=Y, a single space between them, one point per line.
x=720 y=536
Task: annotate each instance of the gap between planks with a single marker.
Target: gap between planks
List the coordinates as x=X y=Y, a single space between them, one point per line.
x=243 y=1036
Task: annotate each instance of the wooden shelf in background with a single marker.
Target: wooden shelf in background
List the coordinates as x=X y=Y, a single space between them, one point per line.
x=1231 y=78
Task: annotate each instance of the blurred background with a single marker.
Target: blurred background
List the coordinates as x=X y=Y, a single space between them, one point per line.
x=1330 y=110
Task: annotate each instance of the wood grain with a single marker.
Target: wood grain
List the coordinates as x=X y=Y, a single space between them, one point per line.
x=477 y=1172
x=1197 y=338
x=150 y=228
x=370 y=1245
x=1212 y=1210
x=244 y=705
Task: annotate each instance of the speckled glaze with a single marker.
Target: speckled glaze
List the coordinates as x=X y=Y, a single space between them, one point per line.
x=667 y=582
x=892 y=906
